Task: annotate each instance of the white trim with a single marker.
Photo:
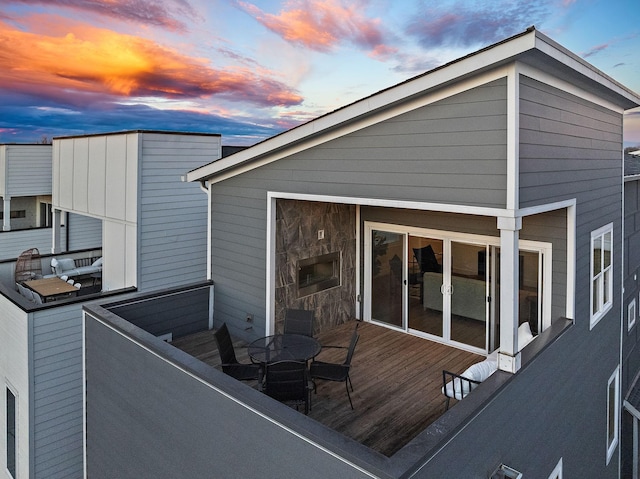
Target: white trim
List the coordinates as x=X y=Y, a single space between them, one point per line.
x=358 y=298
x=403 y=204
x=16 y=413
x=606 y=306
x=228 y=396
x=419 y=91
x=612 y=443
x=565 y=86
x=513 y=137
x=270 y=255
x=631 y=314
x=342 y=122
x=557 y=471
x=570 y=307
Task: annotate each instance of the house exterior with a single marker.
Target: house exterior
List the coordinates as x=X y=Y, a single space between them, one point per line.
x=153 y=235
x=25 y=188
x=498 y=176
x=630 y=385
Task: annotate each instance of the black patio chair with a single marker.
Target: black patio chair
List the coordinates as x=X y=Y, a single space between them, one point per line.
x=298 y=321
x=288 y=381
x=230 y=365
x=334 y=371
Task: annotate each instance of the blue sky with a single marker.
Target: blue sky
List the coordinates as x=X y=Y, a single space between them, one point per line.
x=251 y=69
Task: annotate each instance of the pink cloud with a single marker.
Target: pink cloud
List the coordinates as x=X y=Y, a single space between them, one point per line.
x=92 y=61
x=596 y=49
x=321 y=25
x=164 y=14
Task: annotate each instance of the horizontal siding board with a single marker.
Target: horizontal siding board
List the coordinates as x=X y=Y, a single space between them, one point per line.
x=57 y=366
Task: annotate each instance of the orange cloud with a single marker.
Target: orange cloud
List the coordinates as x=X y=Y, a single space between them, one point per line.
x=93 y=60
x=321 y=24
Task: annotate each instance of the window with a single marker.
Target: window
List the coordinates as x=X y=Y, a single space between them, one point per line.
x=631 y=314
x=16 y=214
x=601 y=272
x=11 y=433
x=613 y=412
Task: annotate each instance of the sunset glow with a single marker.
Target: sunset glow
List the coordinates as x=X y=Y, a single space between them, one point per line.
x=250 y=69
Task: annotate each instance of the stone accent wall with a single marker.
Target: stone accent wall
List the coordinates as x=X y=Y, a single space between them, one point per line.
x=297 y=225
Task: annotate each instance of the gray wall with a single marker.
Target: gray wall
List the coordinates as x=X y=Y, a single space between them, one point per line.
x=452 y=151
x=172 y=220
x=630 y=338
x=178 y=312
x=57 y=392
x=147 y=418
x=84 y=232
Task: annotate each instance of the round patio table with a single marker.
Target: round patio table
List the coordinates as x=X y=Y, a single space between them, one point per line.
x=284 y=347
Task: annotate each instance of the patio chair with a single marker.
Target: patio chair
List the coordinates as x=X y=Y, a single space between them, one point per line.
x=334 y=371
x=230 y=365
x=456 y=386
x=298 y=321
x=288 y=381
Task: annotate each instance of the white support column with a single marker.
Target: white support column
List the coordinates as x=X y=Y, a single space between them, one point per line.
x=56 y=232
x=509 y=356
x=6 y=209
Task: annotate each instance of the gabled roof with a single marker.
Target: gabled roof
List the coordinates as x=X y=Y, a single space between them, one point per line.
x=529 y=47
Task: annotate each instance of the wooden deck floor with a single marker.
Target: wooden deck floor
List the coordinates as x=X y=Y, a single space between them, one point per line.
x=396 y=379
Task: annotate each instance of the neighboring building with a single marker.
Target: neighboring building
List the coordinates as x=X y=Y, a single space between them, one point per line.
x=153 y=229
x=25 y=188
x=505 y=169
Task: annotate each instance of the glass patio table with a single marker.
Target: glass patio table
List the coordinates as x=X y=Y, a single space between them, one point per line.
x=284 y=347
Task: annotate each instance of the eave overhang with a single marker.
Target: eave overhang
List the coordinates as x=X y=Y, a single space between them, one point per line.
x=529 y=47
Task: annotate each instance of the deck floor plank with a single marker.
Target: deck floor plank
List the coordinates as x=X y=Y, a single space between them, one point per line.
x=397 y=381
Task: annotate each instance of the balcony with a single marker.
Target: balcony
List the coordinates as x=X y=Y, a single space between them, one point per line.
x=397 y=381
x=143 y=394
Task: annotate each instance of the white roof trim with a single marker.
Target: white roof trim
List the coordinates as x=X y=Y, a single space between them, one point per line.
x=309 y=133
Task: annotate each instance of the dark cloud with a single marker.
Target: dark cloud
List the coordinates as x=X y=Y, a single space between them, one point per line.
x=467 y=24
x=22 y=122
x=167 y=14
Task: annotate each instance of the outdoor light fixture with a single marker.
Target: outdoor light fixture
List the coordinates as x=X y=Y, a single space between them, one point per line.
x=505 y=472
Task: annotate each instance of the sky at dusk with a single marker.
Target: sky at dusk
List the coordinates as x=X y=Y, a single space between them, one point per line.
x=250 y=69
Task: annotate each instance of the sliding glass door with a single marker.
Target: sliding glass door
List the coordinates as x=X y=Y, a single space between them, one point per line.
x=444 y=286
x=386 y=271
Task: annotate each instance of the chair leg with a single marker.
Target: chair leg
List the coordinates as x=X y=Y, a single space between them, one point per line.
x=447 y=407
x=348 y=395
x=350 y=383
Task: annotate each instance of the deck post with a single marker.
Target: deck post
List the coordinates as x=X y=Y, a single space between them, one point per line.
x=6 y=209
x=509 y=356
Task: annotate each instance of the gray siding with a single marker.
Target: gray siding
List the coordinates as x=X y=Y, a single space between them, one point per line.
x=28 y=169
x=416 y=156
x=57 y=392
x=630 y=338
x=12 y=243
x=186 y=425
x=570 y=148
x=172 y=221
x=84 y=232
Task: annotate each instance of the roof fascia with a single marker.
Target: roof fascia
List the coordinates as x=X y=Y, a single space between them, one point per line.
x=553 y=49
x=457 y=70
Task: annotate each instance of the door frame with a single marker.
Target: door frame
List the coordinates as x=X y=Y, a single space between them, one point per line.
x=543 y=249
